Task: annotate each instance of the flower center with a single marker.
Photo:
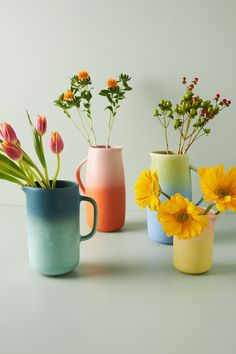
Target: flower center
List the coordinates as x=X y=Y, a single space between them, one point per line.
x=222 y=192
x=182 y=217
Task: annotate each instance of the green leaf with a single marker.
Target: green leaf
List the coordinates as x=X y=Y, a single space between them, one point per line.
x=8 y=178
x=110 y=108
x=27 y=160
x=10 y=167
x=207 y=131
x=37 y=144
x=103 y=92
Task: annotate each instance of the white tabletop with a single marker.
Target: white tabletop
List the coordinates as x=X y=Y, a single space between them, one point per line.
x=124 y=298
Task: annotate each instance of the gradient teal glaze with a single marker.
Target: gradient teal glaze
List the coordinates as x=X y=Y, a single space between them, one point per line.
x=174 y=173
x=53 y=227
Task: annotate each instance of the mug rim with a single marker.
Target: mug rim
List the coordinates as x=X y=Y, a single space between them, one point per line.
x=104 y=147
x=170 y=154
x=67 y=185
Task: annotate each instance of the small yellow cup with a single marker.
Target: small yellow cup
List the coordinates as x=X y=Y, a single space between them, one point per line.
x=195 y=256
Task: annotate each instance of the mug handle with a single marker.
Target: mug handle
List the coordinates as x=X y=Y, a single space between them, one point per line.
x=78 y=176
x=95 y=220
x=193 y=168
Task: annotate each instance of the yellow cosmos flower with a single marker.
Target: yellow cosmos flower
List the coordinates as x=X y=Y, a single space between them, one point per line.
x=83 y=75
x=147 y=190
x=112 y=83
x=219 y=186
x=68 y=95
x=181 y=218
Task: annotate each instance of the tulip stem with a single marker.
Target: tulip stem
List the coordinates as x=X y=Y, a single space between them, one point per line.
x=44 y=167
x=33 y=177
x=41 y=183
x=29 y=162
x=24 y=167
x=57 y=171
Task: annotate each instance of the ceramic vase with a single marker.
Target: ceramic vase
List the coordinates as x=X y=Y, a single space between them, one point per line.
x=105 y=183
x=195 y=256
x=53 y=227
x=174 y=173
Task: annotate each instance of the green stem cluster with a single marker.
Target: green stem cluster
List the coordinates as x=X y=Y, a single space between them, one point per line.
x=80 y=99
x=190 y=117
x=25 y=172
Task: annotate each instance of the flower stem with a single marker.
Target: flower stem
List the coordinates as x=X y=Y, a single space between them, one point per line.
x=91 y=125
x=44 y=167
x=41 y=183
x=210 y=206
x=24 y=168
x=30 y=163
x=166 y=136
x=217 y=212
x=165 y=195
x=82 y=132
x=57 y=172
x=110 y=125
x=84 y=128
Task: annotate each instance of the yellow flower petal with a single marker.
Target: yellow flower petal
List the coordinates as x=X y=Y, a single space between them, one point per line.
x=181 y=218
x=219 y=186
x=147 y=190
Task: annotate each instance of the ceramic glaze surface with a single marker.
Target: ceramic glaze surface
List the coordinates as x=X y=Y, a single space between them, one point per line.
x=105 y=183
x=53 y=227
x=174 y=172
x=195 y=256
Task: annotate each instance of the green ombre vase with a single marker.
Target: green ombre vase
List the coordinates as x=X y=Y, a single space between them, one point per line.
x=174 y=173
x=53 y=227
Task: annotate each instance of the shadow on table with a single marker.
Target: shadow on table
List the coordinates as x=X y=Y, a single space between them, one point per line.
x=99 y=270
x=225 y=236
x=223 y=269
x=134 y=225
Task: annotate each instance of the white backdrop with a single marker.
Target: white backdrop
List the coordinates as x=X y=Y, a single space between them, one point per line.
x=155 y=41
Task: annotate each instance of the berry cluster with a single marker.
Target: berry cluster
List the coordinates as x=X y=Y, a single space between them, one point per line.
x=193 y=112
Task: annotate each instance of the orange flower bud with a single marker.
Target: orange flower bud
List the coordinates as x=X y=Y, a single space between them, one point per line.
x=112 y=83
x=12 y=151
x=56 y=143
x=68 y=95
x=83 y=75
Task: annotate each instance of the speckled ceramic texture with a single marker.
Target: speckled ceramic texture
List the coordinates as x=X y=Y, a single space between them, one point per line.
x=53 y=227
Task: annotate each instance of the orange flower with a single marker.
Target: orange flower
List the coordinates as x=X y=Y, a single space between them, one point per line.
x=112 y=83
x=83 y=75
x=68 y=95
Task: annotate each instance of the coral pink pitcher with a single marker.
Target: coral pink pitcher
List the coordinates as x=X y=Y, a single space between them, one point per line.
x=105 y=183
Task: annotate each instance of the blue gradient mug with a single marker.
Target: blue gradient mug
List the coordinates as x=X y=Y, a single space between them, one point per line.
x=174 y=173
x=53 y=227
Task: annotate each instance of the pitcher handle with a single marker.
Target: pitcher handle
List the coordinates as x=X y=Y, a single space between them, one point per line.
x=95 y=219
x=78 y=175
x=193 y=168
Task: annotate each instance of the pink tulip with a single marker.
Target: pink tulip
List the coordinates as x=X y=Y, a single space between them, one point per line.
x=8 y=133
x=56 y=143
x=12 y=150
x=41 y=125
